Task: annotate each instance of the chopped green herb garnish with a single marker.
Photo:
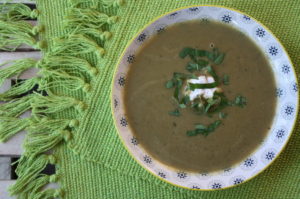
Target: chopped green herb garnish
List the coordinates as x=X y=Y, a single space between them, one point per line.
x=192 y=76
x=192 y=133
x=210 y=106
x=179 y=75
x=226 y=80
x=212 y=72
x=198 y=107
x=179 y=83
x=182 y=106
x=222 y=115
x=201 y=86
x=176 y=93
x=170 y=84
x=202 y=62
x=223 y=102
x=219 y=59
x=215 y=56
x=240 y=101
x=185 y=52
x=212 y=102
x=200 y=127
x=185 y=100
x=182 y=76
x=175 y=113
x=193 y=53
x=204 y=130
x=191 y=67
x=210 y=55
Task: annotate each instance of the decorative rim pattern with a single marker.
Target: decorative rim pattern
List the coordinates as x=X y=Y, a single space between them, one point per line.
x=286 y=92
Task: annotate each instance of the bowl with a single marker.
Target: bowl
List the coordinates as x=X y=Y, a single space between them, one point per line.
x=286 y=93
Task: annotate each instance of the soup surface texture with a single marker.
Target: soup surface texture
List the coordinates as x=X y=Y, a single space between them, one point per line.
x=148 y=101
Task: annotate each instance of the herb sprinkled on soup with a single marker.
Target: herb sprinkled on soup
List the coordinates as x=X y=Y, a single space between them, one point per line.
x=200 y=89
x=200 y=96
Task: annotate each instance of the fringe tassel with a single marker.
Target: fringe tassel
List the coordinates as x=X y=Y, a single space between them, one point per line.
x=48 y=194
x=20 y=88
x=69 y=64
x=37 y=143
x=28 y=170
x=16 y=68
x=34 y=187
x=78 y=3
x=113 y=3
x=16 y=12
x=53 y=79
x=39 y=124
x=15 y=33
x=106 y=3
x=54 y=104
x=45 y=134
x=92 y=32
x=89 y=18
x=9 y=126
x=16 y=107
x=76 y=45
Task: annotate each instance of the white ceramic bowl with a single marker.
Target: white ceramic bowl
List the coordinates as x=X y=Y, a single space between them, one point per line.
x=286 y=92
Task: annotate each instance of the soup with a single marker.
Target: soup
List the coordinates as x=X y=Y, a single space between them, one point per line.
x=221 y=136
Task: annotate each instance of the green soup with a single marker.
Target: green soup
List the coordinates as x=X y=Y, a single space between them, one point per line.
x=148 y=101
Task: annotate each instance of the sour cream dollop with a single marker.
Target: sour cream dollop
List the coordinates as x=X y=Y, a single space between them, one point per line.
x=206 y=93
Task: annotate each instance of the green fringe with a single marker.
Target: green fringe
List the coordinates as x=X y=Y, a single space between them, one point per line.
x=92 y=32
x=19 y=89
x=16 y=68
x=60 y=68
x=9 y=126
x=88 y=18
x=48 y=194
x=15 y=33
x=80 y=3
x=40 y=124
x=54 y=104
x=44 y=134
x=16 y=107
x=72 y=65
x=29 y=169
x=16 y=12
x=25 y=162
x=37 y=143
x=34 y=187
x=113 y=3
x=95 y=3
x=76 y=45
x=53 y=79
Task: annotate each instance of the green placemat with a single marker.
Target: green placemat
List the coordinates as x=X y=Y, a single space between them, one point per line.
x=91 y=161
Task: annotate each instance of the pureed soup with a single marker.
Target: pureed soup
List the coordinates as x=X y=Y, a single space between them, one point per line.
x=200 y=96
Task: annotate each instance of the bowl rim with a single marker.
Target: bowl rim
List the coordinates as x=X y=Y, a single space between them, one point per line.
x=132 y=40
